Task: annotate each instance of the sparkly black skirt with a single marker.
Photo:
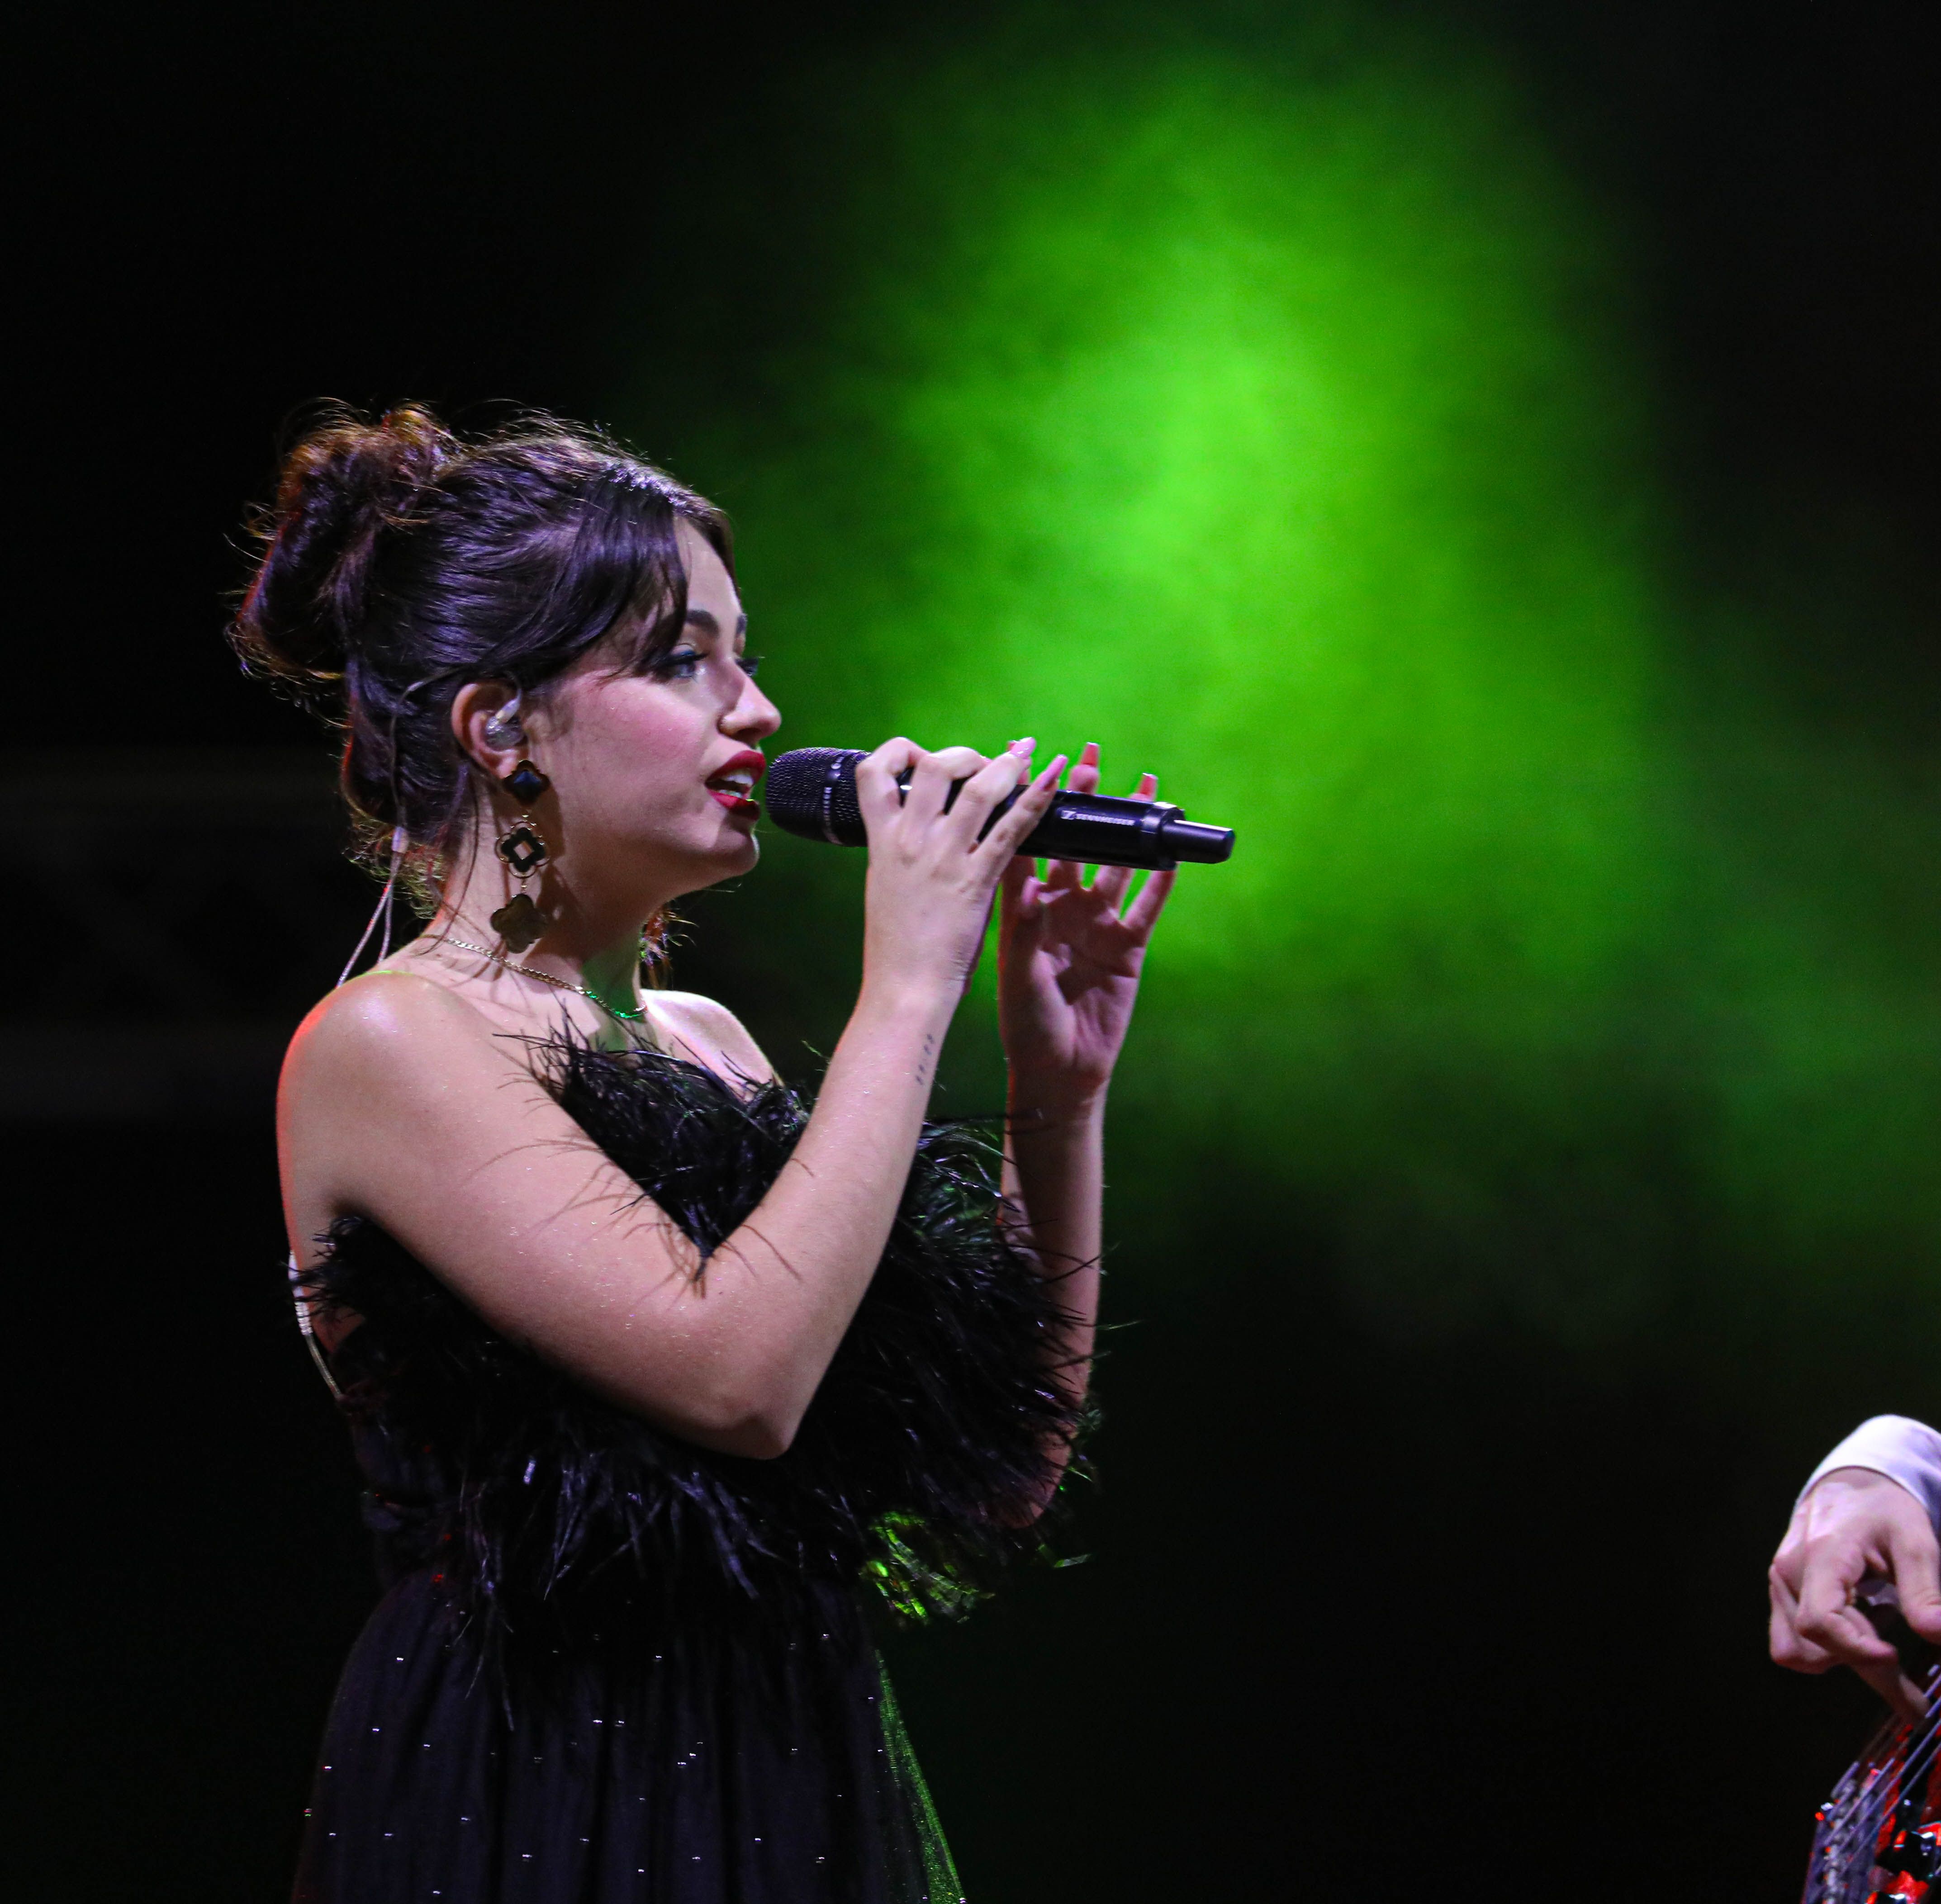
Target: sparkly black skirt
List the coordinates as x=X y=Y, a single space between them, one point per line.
x=613 y=1665
x=719 y=1769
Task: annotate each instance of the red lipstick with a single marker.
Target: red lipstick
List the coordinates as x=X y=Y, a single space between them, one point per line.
x=733 y=782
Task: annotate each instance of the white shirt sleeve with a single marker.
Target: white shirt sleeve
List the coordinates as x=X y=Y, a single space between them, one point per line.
x=1906 y=1451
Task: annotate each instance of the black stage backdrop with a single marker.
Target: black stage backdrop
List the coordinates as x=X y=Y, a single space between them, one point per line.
x=1365 y=1615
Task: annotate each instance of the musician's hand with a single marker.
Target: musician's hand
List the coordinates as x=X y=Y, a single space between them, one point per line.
x=1852 y=1525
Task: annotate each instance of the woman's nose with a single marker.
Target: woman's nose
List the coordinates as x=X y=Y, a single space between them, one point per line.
x=753 y=715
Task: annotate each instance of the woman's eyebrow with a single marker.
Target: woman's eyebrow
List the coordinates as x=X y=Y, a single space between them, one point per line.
x=705 y=620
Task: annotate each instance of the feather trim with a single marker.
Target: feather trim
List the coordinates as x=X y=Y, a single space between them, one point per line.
x=553 y=1514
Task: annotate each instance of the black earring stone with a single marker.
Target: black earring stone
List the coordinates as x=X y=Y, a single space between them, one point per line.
x=523 y=851
x=525 y=783
x=519 y=922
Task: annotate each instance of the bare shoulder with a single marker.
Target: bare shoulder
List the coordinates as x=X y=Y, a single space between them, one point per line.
x=385 y=1025
x=710 y=1027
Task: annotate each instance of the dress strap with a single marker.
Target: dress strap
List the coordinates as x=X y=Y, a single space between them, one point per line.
x=301 y=1303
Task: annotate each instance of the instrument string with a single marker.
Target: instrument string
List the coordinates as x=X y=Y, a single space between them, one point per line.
x=1853 y=1817
x=1894 y=1767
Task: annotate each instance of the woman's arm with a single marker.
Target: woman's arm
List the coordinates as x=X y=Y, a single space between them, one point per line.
x=400 y=1107
x=1069 y=960
x=1055 y=1180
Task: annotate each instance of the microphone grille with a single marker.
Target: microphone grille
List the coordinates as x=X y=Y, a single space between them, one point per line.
x=811 y=791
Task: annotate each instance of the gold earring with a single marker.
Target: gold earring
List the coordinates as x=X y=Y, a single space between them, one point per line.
x=522 y=846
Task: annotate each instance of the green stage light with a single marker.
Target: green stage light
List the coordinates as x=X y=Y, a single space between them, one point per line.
x=1275 y=426
x=1253 y=430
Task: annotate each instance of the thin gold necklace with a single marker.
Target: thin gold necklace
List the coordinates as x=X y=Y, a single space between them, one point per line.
x=620 y=1012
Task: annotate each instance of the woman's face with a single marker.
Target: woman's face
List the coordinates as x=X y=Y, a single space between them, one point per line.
x=653 y=766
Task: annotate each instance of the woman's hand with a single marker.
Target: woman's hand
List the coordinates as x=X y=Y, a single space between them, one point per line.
x=1069 y=961
x=1854 y=1525
x=930 y=877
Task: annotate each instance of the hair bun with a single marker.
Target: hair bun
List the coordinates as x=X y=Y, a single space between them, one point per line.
x=338 y=488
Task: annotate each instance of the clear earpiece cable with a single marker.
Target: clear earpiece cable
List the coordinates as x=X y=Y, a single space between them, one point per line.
x=384 y=910
x=398 y=843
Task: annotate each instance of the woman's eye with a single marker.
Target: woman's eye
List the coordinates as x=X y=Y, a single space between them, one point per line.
x=751 y=664
x=679 y=666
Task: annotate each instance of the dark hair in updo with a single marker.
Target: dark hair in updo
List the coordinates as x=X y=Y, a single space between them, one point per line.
x=403 y=561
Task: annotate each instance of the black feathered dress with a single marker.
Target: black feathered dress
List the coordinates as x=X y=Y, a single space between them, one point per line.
x=611 y=1665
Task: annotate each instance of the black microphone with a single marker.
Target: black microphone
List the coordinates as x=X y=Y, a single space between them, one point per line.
x=811 y=793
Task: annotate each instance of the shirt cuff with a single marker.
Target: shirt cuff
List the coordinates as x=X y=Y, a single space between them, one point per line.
x=1905 y=1450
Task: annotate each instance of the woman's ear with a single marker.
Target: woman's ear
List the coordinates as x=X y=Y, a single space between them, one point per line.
x=485 y=724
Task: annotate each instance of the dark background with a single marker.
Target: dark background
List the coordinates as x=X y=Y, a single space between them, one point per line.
x=1366 y=1620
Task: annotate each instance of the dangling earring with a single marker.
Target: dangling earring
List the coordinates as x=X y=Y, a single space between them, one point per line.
x=523 y=847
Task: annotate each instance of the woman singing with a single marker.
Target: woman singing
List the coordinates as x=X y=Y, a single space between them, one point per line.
x=657 y=1374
